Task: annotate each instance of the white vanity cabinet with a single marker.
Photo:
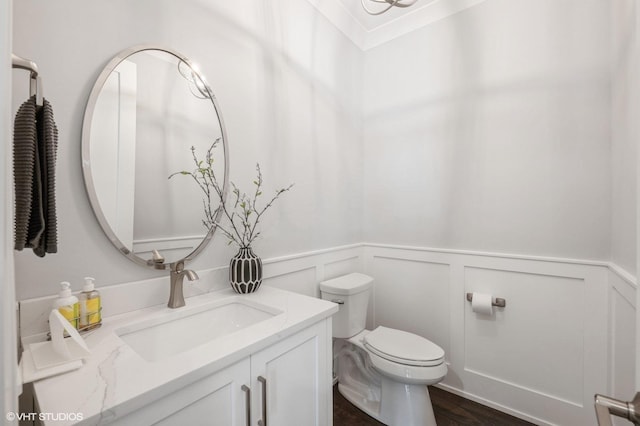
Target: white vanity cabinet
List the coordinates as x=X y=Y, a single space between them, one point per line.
x=216 y=400
x=275 y=371
x=289 y=383
x=291 y=380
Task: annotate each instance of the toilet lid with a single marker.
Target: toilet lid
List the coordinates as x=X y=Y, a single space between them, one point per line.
x=404 y=348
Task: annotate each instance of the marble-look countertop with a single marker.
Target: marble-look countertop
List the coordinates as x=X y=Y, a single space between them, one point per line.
x=115 y=380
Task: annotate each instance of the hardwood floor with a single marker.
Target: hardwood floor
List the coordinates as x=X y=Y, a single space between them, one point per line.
x=450 y=410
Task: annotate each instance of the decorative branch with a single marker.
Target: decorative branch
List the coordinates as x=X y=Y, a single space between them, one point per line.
x=245 y=214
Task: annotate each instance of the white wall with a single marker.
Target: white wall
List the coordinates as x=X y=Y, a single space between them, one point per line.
x=625 y=95
x=489 y=131
x=288 y=85
x=509 y=128
x=625 y=109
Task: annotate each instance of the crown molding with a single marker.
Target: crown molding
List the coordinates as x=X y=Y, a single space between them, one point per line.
x=367 y=31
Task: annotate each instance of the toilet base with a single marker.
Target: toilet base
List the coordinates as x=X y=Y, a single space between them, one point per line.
x=371 y=408
x=400 y=404
x=386 y=400
x=404 y=404
x=384 y=397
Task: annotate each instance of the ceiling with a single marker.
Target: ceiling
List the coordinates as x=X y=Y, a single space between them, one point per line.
x=368 y=31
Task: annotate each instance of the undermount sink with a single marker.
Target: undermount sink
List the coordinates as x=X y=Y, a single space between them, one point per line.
x=187 y=328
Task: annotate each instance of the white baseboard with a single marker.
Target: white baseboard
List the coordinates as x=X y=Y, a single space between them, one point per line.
x=493 y=405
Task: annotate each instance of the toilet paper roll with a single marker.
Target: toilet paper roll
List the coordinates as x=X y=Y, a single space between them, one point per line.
x=482 y=303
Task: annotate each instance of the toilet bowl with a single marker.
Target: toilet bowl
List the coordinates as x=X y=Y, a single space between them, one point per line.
x=384 y=372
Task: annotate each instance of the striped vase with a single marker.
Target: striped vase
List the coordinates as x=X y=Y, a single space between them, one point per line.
x=245 y=271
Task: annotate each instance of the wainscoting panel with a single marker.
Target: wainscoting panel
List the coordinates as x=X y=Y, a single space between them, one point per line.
x=622 y=323
x=299 y=273
x=536 y=341
x=542 y=358
x=294 y=273
x=566 y=333
x=302 y=281
x=342 y=267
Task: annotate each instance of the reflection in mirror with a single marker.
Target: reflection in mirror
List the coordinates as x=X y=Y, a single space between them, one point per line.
x=148 y=108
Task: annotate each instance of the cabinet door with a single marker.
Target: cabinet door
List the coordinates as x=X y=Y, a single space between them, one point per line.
x=297 y=373
x=217 y=400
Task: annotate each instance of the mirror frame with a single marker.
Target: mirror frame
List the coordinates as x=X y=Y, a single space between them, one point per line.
x=86 y=156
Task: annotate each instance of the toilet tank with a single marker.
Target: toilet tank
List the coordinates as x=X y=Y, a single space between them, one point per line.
x=353 y=291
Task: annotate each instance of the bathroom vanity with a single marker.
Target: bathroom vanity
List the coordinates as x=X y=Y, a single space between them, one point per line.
x=224 y=359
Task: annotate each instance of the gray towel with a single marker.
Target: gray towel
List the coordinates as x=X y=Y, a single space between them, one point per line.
x=41 y=231
x=47 y=149
x=24 y=153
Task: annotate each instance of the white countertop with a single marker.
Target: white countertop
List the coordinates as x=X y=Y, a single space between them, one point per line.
x=115 y=380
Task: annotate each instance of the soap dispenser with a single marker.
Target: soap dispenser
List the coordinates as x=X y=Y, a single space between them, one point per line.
x=67 y=304
x=90 y=306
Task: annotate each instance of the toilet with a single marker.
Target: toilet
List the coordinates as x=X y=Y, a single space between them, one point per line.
x=384 y=372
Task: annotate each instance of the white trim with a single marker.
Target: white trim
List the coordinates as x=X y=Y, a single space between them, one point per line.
x=383 y=28
x=166 y=239
x=622 y=295
x=624 y=287
x=616 y=269
x=342 y=19
x=577 y=404
x=414 y=20
x=623 y=274
x=311 y=253
x=493 y=254
x=169 y=247
x=488 y=403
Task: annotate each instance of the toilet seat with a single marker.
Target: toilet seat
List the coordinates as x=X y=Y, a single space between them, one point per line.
x=403 y=348
x=408 y=374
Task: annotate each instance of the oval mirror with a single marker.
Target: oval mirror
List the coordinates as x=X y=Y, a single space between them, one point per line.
x=149 y=115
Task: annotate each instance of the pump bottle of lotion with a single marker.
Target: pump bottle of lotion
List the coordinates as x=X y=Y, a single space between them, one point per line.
x=67 y=304
x=90 y=315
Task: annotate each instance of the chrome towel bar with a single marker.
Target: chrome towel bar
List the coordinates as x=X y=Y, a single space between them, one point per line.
x=499 y=302
x=35 y=82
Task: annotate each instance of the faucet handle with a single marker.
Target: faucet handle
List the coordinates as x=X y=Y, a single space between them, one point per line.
x=180 y=270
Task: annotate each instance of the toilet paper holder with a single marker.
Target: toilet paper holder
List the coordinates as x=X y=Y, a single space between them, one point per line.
x=499 y=302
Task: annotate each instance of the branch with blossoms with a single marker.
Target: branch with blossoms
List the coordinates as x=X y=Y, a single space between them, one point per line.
x=243 y=212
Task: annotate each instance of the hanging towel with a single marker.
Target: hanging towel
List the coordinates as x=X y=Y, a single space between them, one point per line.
x=24 y=153
x=35 y=150
x=47 y=152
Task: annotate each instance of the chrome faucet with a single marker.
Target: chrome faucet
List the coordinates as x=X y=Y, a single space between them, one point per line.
x=176 y=297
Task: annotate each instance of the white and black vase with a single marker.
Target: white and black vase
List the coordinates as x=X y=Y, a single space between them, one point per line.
x=245 y=271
